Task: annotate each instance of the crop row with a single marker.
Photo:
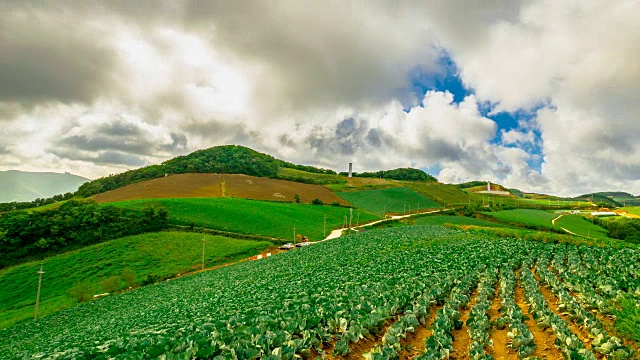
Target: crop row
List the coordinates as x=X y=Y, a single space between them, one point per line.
x=294 y=304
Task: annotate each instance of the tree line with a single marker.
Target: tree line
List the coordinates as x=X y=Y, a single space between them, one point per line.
x=77 y=223
x=397 y=174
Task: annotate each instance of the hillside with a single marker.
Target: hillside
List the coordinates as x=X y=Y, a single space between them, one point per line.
x=220 y=185
x=24 y=186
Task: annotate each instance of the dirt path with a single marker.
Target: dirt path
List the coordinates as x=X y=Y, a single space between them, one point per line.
x=553 y=222
x=414 y=344
x=338 y=232
x=461 y=338
x=499 y=337
x=552 y=302
x=545 y=349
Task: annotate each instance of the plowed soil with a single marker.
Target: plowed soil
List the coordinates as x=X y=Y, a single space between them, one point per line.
x=360 y=347
x=545 y=349
x=552 y=302
x=413 y=345
x=217 y=185
x=461 y=339
x=500 y=340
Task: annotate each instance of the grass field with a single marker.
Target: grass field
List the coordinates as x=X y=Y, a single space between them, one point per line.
x=525 y=216
x=393 y=200
x=216 y=185
x=579 y=225
x=273 y=219
x=632 y=210
x=458 y=220
x=160 y=255
x=441 y=193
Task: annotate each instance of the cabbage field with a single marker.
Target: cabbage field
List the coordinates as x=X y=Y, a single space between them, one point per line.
x=370 y=294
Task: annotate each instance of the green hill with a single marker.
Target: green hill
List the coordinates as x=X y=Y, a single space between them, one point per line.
x=394 y=200
x=23 y=186
x=272 y=219
x=147 y=257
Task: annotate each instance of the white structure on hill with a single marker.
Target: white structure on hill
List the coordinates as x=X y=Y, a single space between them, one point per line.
x=350 y=169
x=494 y=192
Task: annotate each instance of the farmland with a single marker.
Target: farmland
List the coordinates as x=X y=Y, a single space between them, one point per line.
x=525 y=216
x=442 y=193
x=393 y=200
x=155 y=255
x=579 y=225
x=217 y=185
x=423 y=289
x=451 y=219
x=272 y=219
x=633 y=210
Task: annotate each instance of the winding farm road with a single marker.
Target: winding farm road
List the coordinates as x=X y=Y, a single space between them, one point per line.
x=338 y=232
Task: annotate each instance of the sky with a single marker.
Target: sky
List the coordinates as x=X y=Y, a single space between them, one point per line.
x=539 y=95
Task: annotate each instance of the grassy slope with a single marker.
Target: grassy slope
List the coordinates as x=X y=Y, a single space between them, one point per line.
x=252 y=217
x=525 y=216
x=458 y=220
x=441 y=193
x=577 y=224
x=393 y=200
x=632 y=210
x=161 y=254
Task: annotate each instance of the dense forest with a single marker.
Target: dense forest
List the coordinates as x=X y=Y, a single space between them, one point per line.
x=76 y=223
x=624 y=228
x=397 y=174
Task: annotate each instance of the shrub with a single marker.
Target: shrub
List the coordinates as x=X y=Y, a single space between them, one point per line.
x=317 y=201
x=81 y=292
x=111 y=284
x=128 y=276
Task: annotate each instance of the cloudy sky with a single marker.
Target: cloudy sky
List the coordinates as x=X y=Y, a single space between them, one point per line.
x=542 y=95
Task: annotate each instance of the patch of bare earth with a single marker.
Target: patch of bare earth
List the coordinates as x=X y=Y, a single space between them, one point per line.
x=414 y=343
x=360 y=347
x=545 y=349
x=499 y=349
x=552 y=302
x=461 y=338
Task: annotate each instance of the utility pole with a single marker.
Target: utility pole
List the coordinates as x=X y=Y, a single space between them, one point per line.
x=404 y=210
x=350 y=219
x=203 y=240
x=345 y=222
x=35 y=316
x=325 y=225
x=294 y=234
x=409 y=208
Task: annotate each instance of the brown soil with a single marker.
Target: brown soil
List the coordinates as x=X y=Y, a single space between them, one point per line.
x=545 y=349
x=413 y=345
x=216 y=185
x=360 y=347
x=552 y=302
x=461 y=339
x=499 y=349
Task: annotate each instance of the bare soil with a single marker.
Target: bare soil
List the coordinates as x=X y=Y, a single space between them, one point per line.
x=545 y=349
x=499 y=349
x=360 y=347
x=461 y=338
x=553 y=302
x=217 y=185
x=414 y=344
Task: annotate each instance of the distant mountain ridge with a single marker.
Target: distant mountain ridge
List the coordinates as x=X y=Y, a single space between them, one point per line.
x=22 y=186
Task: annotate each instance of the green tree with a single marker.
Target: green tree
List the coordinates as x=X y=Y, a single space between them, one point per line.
x=296 y=198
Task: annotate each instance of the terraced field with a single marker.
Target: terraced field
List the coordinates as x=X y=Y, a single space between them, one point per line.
x=526 y=216
x=423 y=292
x=394 y=200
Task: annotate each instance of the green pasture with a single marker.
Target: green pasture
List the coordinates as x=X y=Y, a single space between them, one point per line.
x=147 y=256
x=393 y=200
x=265 y=218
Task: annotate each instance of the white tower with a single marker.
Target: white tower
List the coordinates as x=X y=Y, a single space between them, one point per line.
x=350 y=169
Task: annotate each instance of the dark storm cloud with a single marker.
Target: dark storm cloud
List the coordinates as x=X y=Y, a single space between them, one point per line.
x=178 y=142
x=95 y=143
x=4 y=150
x=43 y=57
